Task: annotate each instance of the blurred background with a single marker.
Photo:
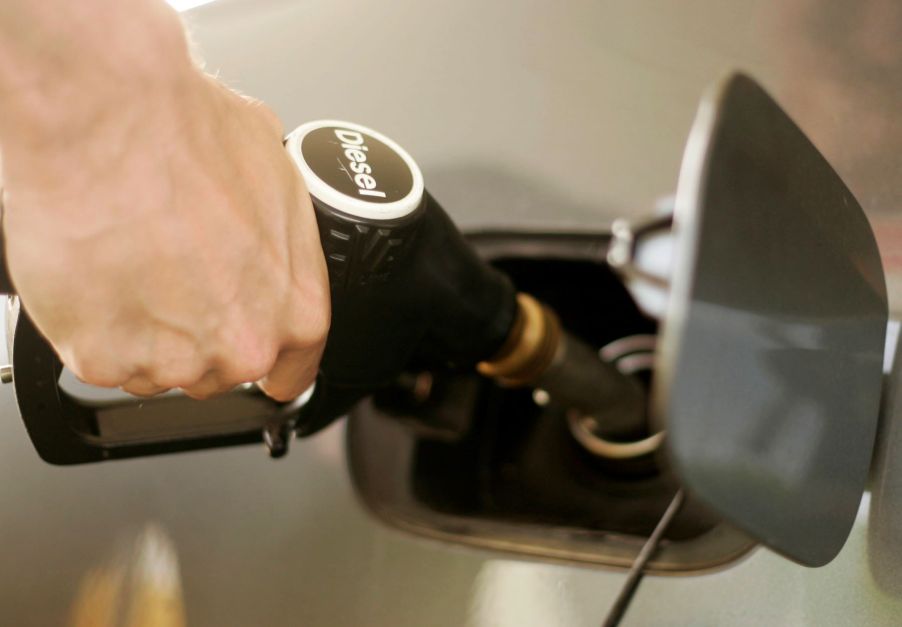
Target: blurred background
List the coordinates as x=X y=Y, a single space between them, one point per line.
x=527 y=113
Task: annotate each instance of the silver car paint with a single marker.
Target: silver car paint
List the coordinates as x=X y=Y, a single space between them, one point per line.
x=527 y=113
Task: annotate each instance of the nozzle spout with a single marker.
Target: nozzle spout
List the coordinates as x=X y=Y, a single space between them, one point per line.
x=540 y=353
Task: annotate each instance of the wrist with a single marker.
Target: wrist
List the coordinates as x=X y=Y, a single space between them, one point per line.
x=101 y=61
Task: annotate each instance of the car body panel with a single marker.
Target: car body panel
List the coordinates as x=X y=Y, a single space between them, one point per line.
x=531 y=113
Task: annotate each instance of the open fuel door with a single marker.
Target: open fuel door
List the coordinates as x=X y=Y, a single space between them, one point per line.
x=769 y=377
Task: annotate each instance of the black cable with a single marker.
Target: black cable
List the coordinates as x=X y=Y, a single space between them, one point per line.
x=637 y=570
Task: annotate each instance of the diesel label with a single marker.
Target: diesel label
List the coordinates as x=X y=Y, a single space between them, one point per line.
x=355 y=152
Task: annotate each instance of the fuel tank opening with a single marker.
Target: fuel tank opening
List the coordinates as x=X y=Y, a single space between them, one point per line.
x=455 y=456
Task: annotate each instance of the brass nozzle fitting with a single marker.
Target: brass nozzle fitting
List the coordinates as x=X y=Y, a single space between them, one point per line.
x=530 y=347
x=539 y=353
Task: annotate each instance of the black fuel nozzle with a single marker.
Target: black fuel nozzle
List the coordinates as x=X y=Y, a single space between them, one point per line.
x=406 y=284
x=406 y=288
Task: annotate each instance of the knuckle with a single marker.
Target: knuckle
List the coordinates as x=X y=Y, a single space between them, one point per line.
x=244 y=354
x=251 y=365
x=176 y=361
x=94 y=370
x=207 y=387
x=182 y=375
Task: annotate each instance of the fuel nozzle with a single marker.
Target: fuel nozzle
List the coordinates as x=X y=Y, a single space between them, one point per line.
x=407 y=287
x=605 y=405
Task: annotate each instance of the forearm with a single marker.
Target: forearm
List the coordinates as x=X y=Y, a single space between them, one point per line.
x=65 y=65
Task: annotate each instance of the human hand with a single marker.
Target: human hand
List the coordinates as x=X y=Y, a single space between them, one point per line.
x=167 y=241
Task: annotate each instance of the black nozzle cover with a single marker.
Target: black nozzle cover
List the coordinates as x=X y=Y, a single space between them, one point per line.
x=405 y=287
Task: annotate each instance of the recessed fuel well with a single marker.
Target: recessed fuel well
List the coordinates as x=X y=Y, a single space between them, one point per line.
x=456 y=457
